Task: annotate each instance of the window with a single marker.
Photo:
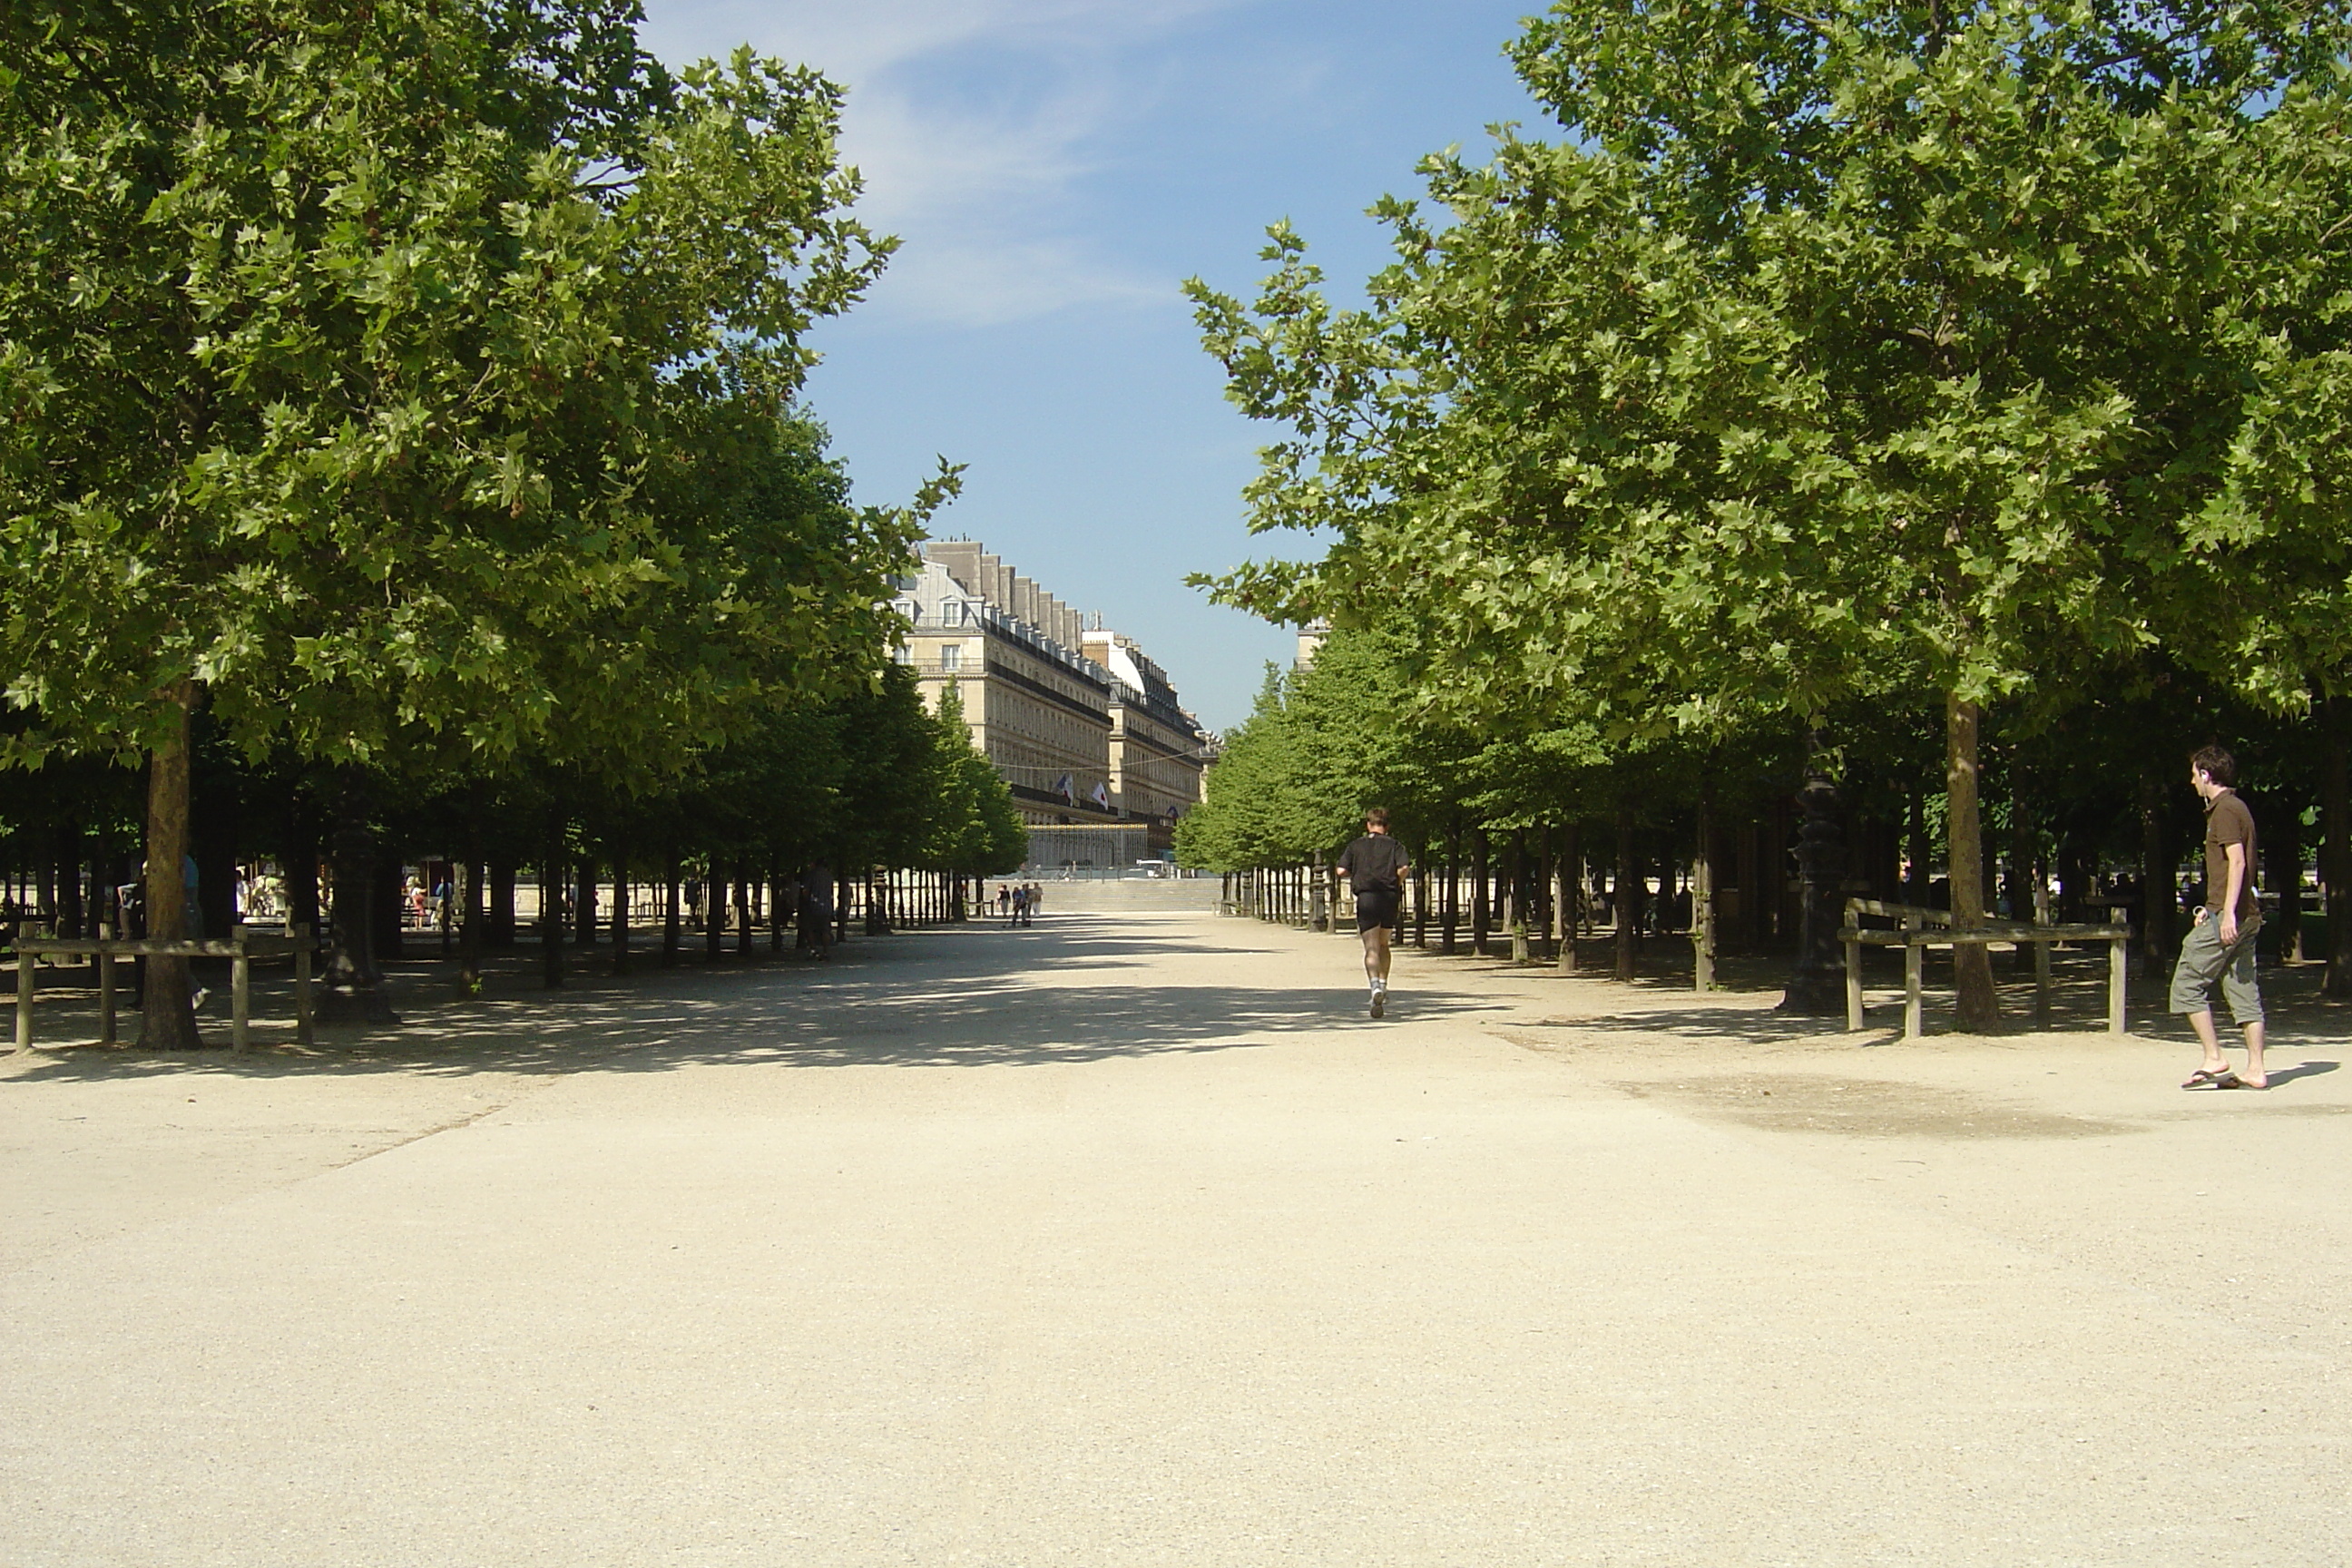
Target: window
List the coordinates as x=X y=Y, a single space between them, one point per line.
x=951 y=655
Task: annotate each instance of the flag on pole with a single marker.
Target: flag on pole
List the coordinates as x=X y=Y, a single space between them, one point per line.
x=1067 y=788
x=1102 y=795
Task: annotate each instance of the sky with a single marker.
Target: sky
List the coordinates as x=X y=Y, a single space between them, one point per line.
x=1055 y=170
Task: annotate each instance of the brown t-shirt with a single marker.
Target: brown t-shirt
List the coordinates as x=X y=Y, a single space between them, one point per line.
x=2228 y=822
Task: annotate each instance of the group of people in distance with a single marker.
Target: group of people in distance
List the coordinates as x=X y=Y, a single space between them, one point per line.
x=1019 y=904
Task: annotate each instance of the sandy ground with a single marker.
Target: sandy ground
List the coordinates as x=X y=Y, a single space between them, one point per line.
x=1130 y=1239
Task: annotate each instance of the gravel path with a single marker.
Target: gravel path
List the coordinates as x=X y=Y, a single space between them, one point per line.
x=1129 y=1239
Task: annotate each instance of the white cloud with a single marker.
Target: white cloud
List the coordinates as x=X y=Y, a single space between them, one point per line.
x=980 y=182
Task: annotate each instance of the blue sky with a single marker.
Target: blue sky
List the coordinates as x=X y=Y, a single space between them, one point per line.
x=1055 y=168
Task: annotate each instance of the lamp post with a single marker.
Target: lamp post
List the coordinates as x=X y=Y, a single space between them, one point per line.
x=1818 y=988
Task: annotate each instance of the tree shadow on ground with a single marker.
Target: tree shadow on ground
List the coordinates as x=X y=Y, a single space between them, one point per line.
x=952 y=998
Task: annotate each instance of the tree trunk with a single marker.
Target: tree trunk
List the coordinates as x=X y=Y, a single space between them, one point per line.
x=583 y=898
x=714 y=911
x=2156 y=895
x=470 y=928
x=1980 y=1004
x=2335 y=807
x=1571 y=894
x=1626 y=898
x=1482 y=911
x=1915 y=885
x=387 y=901
x=500 y=929
x=620 y=905
x=470 y=914
x=670 y=923
x=1702 y=892
x=1515 y=879
x=168 y=1021
x=215 y=812
x=550 y=910
x=68 y=858
x=354 y=989
x=1452 y=909
x=300 y=868
x=2019 y=876
x=2283 y=848
x=1539 y=894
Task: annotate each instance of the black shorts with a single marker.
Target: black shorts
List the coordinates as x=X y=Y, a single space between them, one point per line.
x=1377 y=907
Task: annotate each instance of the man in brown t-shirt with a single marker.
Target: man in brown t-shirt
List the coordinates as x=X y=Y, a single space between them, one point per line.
x=2221 y=945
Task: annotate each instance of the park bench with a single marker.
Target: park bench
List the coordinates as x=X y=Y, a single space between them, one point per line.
x=244 y=944
x=1920 y=929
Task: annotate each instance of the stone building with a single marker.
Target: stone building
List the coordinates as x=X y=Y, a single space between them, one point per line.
x=1085 y=731
x=1158 y=751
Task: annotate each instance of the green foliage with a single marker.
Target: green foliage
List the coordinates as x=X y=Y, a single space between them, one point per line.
x=1840 y=362
x=415 y=378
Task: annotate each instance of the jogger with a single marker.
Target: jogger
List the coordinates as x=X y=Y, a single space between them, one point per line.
x=1375 y=865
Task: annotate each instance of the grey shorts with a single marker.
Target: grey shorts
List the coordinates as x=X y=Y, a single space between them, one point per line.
x=2203 y=961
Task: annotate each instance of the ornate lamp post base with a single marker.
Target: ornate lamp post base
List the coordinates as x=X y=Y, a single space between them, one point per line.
x=1817 y=987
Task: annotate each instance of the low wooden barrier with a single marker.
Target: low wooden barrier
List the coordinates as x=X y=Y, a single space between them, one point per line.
x=241 y=949
x=1921 y=929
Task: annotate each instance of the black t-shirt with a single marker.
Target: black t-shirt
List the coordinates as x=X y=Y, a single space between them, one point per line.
x=1372 y=863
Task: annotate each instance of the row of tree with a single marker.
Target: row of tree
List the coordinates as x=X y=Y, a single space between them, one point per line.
x=1519 y=831
x=791 y=825
x=1848 y=363
x=401 y=398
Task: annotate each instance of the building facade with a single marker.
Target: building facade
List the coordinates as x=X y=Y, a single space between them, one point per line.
x=1158 y=751
x=1085 y=729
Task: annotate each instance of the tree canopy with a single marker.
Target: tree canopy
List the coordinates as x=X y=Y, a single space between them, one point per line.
x=1841 y=356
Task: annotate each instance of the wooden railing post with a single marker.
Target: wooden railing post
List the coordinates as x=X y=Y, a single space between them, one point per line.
x=1854 y=1008
x=106 y=1025
x=26 y=969
x=2041 y=954
x=240 y=991
x=2117 y=984
x=1915 y=963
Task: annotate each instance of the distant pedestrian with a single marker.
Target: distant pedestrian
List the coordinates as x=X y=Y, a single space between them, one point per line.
x=1375 y=867
x=1020 y=905
x=1004 y=899
x=2221 y=945
x=1036 y=901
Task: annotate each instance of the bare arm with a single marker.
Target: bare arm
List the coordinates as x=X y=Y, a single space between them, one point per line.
x=2237 y=854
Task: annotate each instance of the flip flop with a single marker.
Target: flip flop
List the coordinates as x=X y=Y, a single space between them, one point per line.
x=2204 y=1077
x=2231 y=1080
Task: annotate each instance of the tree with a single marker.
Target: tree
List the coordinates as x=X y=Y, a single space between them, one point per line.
x=1848 y=354
x=349 y=360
